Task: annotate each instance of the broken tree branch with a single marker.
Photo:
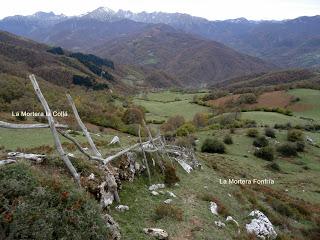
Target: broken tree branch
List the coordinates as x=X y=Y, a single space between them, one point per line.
x=53 y=129
x=7 y=161
x=67 y=136
x=28 y=126
x=83 y=127
x=110 y=158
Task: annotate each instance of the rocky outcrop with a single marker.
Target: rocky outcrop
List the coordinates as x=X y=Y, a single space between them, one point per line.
x=261 y=226
x=113 y=227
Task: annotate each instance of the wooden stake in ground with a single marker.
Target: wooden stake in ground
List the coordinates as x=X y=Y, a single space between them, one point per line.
x=53 y=129
x=144 y=155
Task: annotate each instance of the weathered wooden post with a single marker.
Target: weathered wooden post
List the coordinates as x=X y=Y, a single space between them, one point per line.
x=53 y=129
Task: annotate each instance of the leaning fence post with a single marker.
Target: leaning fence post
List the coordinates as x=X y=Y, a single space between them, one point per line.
x=53 y=129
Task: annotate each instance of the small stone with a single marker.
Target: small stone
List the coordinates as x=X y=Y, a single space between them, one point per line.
x=122 y=208
x=214 y=208
x=154 y=193
x=156 y=186
x=115 y=140
x=171 y=194
x=219 y=224
x=156 y=232
x=91 y=176
x=168 y=201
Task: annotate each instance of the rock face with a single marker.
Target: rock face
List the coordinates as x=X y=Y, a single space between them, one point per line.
x=156 y=232
x=261 y=226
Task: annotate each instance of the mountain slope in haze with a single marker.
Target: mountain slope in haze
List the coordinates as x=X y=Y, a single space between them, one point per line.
x=20 y=56
x=192 y=60
x=273 y=41
x=279 y=42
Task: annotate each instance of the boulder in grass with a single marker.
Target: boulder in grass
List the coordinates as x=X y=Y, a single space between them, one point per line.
x=219 y=224
x=122 y=208
x=260 y=226
x=156 y=232
x=214 y=208
x=155 y=187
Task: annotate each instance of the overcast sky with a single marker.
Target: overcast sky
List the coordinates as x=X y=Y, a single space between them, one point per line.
x=210 y=9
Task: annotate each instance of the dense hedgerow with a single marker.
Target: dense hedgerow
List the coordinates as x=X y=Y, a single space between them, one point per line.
x=35 y=205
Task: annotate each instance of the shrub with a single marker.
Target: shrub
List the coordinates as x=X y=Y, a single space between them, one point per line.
x=252 y=132
x=287 y=149
x=260 y=141
x=187 y=141
x=173 y=123
x=167 y=210
x=269 y=132
x=133 y=115
x=248 y=98
x=266 y=153
x=228 y=139
x=274 y=166
x=39 y=206
x=213 y=146
x=170 y=176
x=200 y=120
x=186 y=129
x=300 y=146
x=295 y=135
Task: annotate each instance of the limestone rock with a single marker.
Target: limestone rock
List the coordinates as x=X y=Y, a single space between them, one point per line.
x=168 y=201
x=156 y=232
x=115 y=140
x=156 y=186
x=122 y=208
x=214 y=208
x=171 y=194
x=114 y=229
x=219 y=224
x=261 y=226
x=154 y=193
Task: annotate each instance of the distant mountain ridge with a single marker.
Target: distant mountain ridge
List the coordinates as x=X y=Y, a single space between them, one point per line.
x=285 y=43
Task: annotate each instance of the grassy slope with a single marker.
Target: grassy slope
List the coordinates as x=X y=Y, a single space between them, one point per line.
x=166 y=104
x=198 y=222
x=309 y=98
x=270 y=118
x=239 y=162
